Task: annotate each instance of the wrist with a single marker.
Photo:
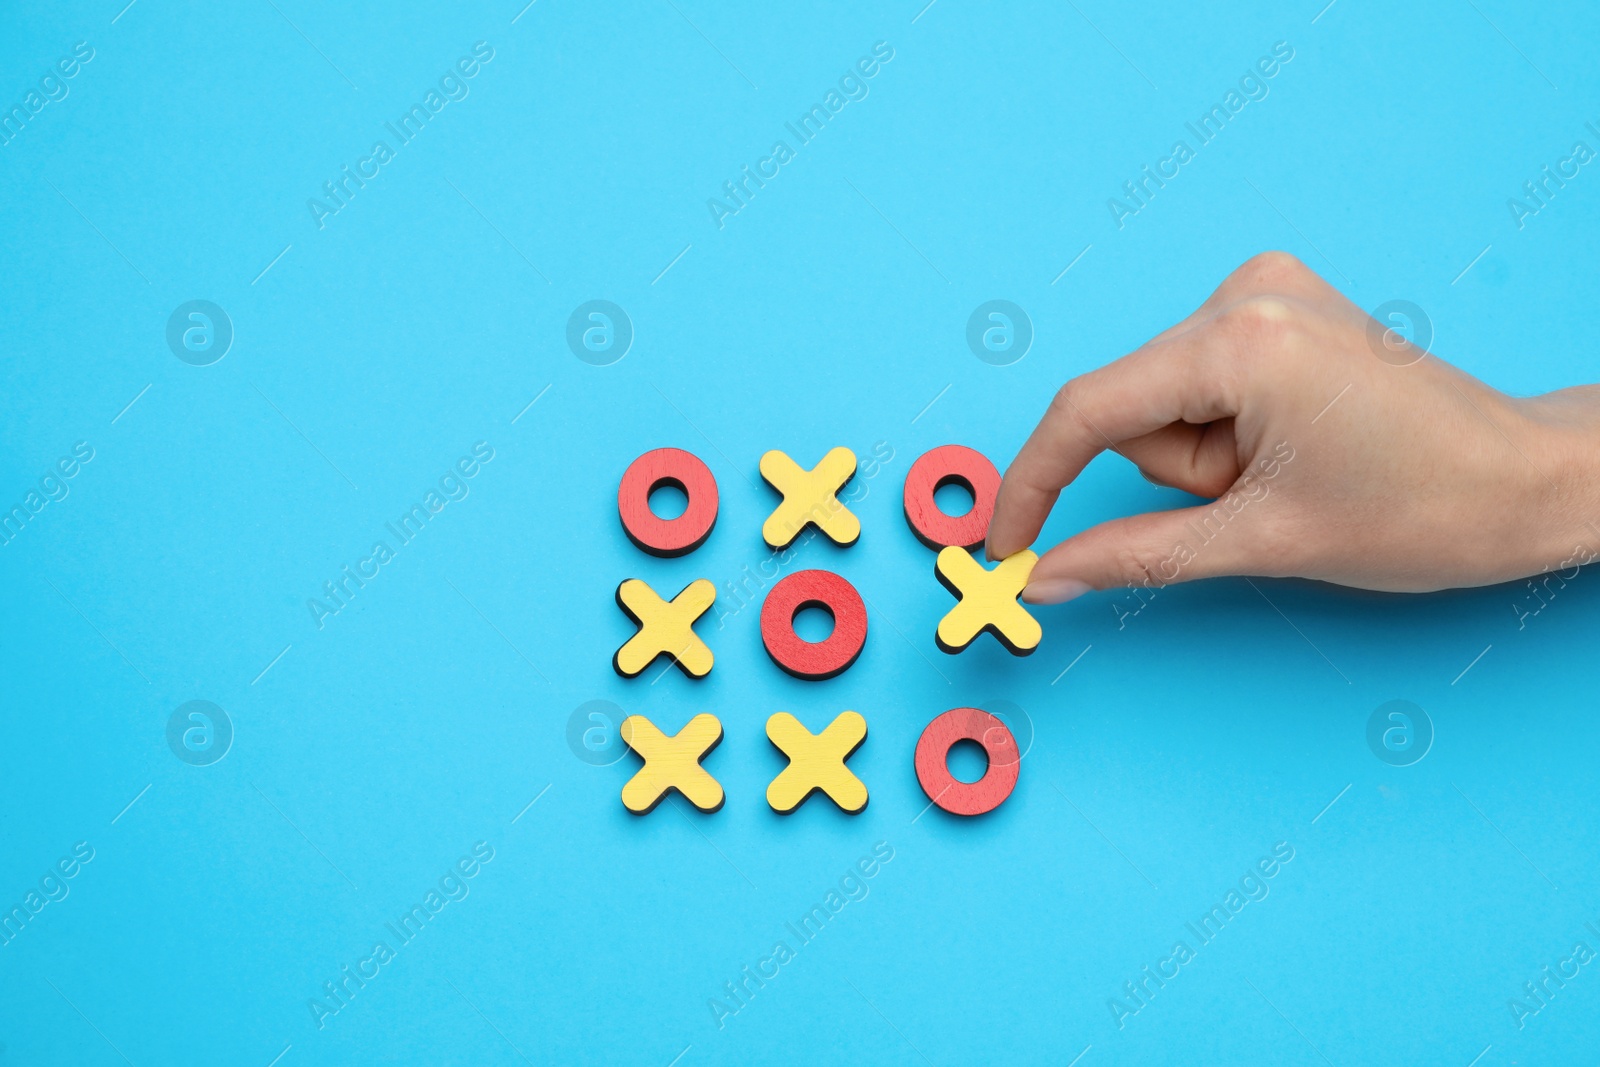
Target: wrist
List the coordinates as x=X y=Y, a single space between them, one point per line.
x=1564 y=528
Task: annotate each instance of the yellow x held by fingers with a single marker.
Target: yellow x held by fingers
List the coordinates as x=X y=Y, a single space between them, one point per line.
x=665 y=629
x=808 y=498
x=988 y=601
x=672 y=763
x=816 y=761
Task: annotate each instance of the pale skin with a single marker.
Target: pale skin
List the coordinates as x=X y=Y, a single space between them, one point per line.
x=1418 y=477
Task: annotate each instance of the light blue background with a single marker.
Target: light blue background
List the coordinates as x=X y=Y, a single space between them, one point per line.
x=428 y=313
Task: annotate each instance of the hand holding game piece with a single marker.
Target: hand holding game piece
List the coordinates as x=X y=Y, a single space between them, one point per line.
x=1335 y=450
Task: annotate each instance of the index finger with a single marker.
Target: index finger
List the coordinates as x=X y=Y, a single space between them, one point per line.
x=1177 y=379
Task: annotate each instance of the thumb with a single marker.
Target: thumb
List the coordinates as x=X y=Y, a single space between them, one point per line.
x=1155 y=549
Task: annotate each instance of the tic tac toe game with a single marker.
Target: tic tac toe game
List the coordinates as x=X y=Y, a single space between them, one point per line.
x=672 y=534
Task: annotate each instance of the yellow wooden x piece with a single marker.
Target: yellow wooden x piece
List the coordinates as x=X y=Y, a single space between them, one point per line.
x=988 y=601
x=808 y=497
x=665 y=629
x=672 y=763
x=816 y=761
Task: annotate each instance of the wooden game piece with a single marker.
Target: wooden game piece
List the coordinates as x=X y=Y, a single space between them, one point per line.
x=665 y=628
x=651 y=471
x=950 y=465
x=813 y=659
x=672 y=763
x=809 y=498
x=988 y=602
x=933 y=769
x=816 y=762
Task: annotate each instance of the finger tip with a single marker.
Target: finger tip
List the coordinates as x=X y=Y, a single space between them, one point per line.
x=1054 y=590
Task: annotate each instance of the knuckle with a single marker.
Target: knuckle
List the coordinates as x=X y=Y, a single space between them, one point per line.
x=1063 y=400
x=1259 y=325
x=1274 y=269
x=1138 y=565
x=1065 y=406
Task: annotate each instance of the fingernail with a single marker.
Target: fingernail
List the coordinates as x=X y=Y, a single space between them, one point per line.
x=1054 y=590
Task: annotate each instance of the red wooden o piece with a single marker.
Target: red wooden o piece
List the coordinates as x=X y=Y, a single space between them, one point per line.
x=667 y=537
x=818 y=659
x=933 y=772
x=951 y=465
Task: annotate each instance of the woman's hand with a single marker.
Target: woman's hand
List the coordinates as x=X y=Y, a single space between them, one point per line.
x=1335 y=450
